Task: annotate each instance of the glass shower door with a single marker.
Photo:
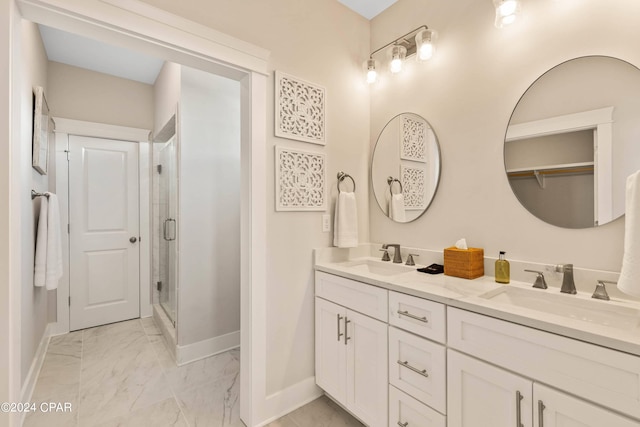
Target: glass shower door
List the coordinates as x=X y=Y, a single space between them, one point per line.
x=166 y=173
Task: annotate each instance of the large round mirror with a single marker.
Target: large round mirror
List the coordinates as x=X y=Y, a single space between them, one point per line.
x=405 y=168
x=573 y=139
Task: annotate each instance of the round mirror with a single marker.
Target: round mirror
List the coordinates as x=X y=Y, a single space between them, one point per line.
x=573 y=139
x=405 y=168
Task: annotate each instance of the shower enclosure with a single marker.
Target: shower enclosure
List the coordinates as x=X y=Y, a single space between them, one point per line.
x=165 y=212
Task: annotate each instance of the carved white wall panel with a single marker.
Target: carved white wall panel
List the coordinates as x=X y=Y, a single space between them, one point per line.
x=413 y=139
x=299 y=109
x=300 y=180
x=414 y=186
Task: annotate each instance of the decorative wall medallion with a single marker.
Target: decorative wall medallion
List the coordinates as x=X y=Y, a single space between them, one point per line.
x=300 y=109
x=413 y=183
x=413 y=139
x=300 y=180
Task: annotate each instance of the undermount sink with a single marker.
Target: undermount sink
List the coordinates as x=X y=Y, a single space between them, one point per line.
x=569 y=306
x=380 y=268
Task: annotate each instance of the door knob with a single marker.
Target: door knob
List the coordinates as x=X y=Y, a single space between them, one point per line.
x=133 y=239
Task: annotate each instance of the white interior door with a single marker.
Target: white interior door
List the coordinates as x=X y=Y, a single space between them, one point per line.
x=104 y=231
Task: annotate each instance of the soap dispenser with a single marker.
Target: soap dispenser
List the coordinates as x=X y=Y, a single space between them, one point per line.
x=502 y=269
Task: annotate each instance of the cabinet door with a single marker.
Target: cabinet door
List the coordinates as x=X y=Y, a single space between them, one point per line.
x=367 y=379
x=331 y=351
x=481 y=395
x=556 y=409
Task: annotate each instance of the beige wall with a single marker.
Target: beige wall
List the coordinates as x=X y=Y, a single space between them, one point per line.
x=166 y=95
x=468 y=93
x=323 y=42
x=79 y=94
x=34 y=317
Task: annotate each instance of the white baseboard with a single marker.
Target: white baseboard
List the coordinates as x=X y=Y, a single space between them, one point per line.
x=36 y=365
x=288 y=400
x=57 y=328
x=201 y=349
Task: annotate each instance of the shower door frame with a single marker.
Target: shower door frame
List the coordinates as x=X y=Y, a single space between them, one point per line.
x=146 y=28
x=160 y=230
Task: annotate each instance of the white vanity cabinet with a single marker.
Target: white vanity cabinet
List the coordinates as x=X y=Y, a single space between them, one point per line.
x=556 y=409
x=417 y=365
x=351 y=348
x=483 y=395
x=394 y=359
x=480 y=394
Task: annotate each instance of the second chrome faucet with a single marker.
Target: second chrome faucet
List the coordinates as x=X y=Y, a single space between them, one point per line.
x=397 y=258
x=568 y=284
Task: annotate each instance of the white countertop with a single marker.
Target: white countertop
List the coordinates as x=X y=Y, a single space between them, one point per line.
x=464 y=294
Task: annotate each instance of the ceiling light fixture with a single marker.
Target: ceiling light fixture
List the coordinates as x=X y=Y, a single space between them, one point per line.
x=419 y=42
x=507 y=11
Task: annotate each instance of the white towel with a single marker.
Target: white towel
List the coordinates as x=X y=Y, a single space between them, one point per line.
x=629 y=281
x=48 y=260
x=396 y=208
x=345 y=221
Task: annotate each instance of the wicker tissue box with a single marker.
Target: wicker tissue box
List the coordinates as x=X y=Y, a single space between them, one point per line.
x=465 y=263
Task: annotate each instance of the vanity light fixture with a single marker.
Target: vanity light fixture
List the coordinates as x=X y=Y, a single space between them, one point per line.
x=398 y=53
x=507 y=11
x=425 y=44
x=419 y=42
x=372 y=74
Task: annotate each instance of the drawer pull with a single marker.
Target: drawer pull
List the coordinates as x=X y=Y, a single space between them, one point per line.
x=541 y=408
x=416 y=370
x=405 y=424
x=413 y=316
x=339 y=333
x=519 y=398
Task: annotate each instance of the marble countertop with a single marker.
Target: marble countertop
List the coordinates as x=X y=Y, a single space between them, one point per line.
x=465 y=294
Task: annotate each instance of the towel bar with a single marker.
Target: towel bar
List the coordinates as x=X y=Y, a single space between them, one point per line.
x=342 y=176
x=35 y=194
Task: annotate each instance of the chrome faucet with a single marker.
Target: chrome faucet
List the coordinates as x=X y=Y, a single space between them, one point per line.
x=601 y=290
x=397 y=258
x=568 y=285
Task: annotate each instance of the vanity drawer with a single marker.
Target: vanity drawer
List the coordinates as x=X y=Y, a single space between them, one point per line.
x=417 y=366
x=405 y=409
x=417 y=315
x=357 y=296
x=607 y=377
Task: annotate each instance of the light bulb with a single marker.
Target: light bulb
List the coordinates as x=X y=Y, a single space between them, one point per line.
x=396 y=65
x=506 y=12
x=398 y=54
x=425 y=44
x=372 y=76
x=370 y=67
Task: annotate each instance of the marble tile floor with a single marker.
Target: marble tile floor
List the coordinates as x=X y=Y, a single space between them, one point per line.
x=123 y=375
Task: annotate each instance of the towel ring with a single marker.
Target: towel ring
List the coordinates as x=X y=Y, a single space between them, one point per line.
x=342 y=176
x=390 y=181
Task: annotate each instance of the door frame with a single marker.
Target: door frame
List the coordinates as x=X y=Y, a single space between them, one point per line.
x=140 y=26
x=69 y=127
